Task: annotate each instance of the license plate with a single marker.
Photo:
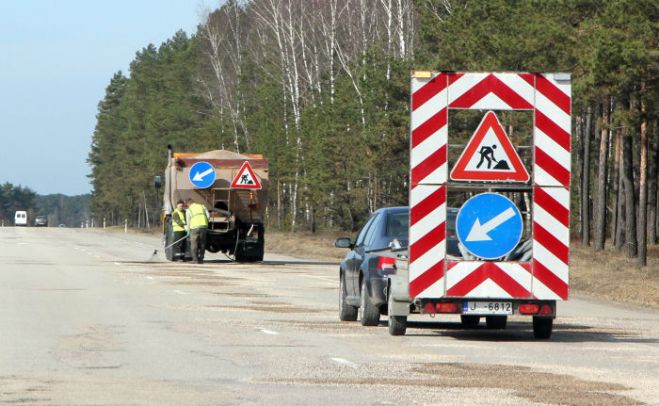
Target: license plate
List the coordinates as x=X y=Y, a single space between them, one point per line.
x=487 y=308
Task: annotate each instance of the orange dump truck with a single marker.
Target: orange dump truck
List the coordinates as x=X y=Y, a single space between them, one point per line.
x=232 y=186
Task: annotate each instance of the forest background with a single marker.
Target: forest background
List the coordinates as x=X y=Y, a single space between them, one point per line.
x=321 y=88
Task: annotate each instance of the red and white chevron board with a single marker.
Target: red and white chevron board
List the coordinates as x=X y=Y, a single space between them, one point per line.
x=548 y=96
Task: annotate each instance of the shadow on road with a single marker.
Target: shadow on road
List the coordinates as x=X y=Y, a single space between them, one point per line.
x=521 y=332
x=231 y=262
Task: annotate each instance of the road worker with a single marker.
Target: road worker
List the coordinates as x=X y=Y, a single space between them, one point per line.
x=197 y=222
x=178 y=227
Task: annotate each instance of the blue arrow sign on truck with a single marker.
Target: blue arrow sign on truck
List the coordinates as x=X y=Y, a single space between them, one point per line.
x=489 y=225
x=202 y=175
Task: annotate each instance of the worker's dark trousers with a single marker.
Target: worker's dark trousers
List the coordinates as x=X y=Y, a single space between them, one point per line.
x=198 y=243
x=179 y=247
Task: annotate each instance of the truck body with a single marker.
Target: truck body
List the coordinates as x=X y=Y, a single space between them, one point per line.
x=510 y=184
x=236 y=214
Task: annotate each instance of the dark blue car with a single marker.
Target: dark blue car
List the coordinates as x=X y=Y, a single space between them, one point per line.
x=363 y=271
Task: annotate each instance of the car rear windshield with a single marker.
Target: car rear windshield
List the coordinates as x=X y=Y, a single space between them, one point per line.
x=397 y=225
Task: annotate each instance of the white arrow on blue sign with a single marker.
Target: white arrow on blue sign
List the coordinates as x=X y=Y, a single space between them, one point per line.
x=489 y=225
x=202 y=175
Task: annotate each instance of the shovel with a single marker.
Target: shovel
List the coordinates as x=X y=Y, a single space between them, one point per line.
x=155 y=252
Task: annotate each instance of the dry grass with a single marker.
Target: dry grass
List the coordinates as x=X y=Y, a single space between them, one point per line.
x=609 y=275
x=306 y=245
x=606 y=275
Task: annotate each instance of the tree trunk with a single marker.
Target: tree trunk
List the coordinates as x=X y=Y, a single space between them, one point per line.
x=600 y=198
x=585 y=180
x=615 y=184
x=652 y=188
x=643 y=186
x=630 y=204
x=619 y=239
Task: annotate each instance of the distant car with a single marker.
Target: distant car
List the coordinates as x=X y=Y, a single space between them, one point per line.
x=20 y=218
x=363 y=272
x=41 y=221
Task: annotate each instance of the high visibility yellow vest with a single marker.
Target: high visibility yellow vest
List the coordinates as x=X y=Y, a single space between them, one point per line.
x=198 y=217
x=180 y=215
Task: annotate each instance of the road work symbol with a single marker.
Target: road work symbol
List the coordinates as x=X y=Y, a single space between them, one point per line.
x=490 y=156
x=246 y=178
x=489 y=225
x=202 y=175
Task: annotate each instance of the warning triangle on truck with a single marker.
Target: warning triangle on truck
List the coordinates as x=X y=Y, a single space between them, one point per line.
x=490 y=156
x=246 y=178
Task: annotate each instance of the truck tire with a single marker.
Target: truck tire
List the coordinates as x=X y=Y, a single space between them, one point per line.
x=542 y=327
x=369 y=315
x=346 y=311
x=169 y=239
x=397 y=324
x=469 y=321
x=496 y=322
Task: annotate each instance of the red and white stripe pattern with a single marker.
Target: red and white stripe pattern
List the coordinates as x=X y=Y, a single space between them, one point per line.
x=489 y=279
x=546 y=277
x=551 y=194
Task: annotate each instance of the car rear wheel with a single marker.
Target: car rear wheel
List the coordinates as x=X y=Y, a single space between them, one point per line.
x=542 y=327
x=469 y=321
x=369 y=315
x=346 y=312
x=397 y=324
x=496 y=322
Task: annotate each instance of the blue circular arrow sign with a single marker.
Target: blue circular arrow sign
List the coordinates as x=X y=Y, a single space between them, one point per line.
x=489 y=225
x=202 y=175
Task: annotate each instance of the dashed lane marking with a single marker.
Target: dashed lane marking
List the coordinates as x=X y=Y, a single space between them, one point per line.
x=269 y=332
x=345 y=362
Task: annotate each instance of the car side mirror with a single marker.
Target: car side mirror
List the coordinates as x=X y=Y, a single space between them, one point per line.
x=343 y=242
x=157 y=182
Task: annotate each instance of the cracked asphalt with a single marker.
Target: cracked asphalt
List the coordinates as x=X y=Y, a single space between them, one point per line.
x=91 y=317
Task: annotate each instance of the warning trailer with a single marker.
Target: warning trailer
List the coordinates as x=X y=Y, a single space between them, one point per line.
x=496 y=148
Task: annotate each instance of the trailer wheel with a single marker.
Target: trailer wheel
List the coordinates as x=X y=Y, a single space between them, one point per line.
x=369 y=315
x=496 y=322
x=169 y=239
x=346 y=311
x=542 y=327
x=397 y=324
x=469 y=321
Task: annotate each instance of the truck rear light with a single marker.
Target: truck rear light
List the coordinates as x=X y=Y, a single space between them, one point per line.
x=447 y=307
x=545 y=309
x=386 y=265
x=429 y=308
x=529 y=308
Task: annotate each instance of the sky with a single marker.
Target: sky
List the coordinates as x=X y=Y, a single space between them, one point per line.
x=56 y=59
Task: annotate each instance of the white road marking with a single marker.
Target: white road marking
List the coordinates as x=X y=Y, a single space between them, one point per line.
x=180 y=292
x=345 y=362
x=150 y=277
x=321 y=277
x=269 y=332
x=117 y=263
x=22 y=243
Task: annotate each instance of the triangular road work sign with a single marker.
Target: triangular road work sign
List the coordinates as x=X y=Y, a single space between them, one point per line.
x=246 y=178
x=490 y=156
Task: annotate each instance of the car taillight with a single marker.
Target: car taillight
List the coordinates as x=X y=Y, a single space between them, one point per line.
x=529 y=308
x=386 y=265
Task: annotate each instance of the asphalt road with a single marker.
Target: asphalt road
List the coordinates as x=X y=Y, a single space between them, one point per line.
x=90 y=317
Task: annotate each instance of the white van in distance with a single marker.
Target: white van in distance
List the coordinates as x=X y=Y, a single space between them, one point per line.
x=20 y=218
